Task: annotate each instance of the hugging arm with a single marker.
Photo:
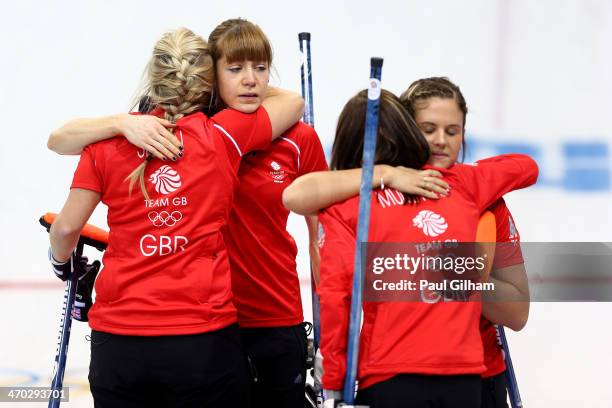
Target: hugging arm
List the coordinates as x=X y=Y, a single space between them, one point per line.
x=153 y=134
x=285 y=108
x=144 y=131
x=314 y=191
x=508 y=304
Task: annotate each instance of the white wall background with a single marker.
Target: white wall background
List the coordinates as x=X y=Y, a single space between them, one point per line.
x=533 y=72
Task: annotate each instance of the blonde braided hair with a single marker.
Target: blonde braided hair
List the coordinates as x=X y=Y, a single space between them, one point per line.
x=180 y=78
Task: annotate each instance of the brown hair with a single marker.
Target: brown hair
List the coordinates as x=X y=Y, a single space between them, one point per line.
x=399 y=141
x=237 y=39
x=417 y=94
x=180 y=78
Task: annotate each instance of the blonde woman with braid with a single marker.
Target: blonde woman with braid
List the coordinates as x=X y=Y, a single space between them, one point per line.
x=262 y=253
x=163 y=325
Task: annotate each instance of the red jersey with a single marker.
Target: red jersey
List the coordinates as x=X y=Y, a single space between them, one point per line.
x=166 y=270
x=410 y=337
x=262 y=253
x=511 y=255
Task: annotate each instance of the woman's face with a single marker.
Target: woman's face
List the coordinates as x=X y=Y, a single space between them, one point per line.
x=242 y=85
x=441 y=122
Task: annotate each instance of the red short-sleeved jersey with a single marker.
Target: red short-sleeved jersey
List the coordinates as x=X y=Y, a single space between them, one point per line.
x=166 y=270
x=410 y=337
x=511 y=255
x=262 y=253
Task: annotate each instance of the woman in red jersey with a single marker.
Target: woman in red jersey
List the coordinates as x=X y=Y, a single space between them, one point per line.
x=410 y=352
x=440 y=111
x=262 y=254
x=163 y=325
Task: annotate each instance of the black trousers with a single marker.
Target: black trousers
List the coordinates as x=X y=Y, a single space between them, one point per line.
x=494 y=392
x=201 y=370
x=278 y=357
x=423 y=391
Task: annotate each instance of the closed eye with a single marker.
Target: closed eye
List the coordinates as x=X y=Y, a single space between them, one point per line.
x=428 y=129
x=453 y=130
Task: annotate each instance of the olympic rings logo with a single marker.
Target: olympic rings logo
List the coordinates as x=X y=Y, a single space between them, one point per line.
x=165 y=218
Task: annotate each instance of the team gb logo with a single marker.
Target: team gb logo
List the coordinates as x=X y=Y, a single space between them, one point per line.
x=431 y=223
x=277 y=173
x=166 y=180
